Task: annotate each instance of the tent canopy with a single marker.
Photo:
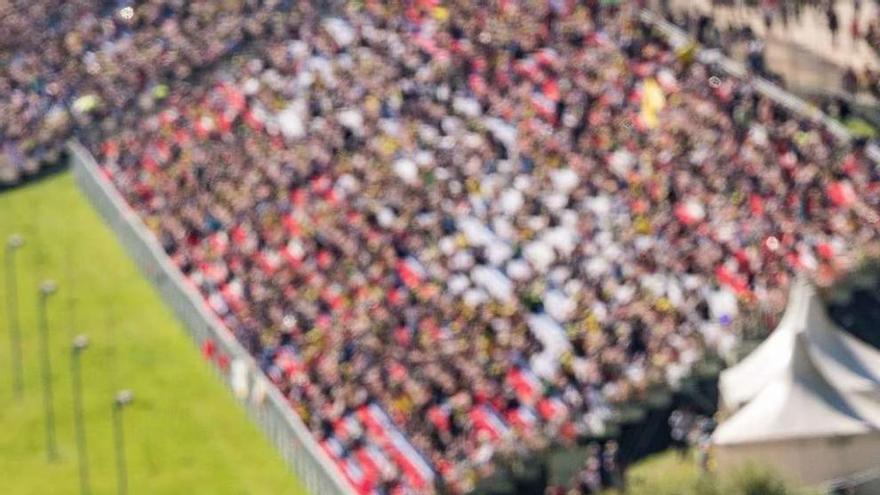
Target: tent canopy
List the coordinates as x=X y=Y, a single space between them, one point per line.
x=799 y=403
x=847 y=363
x=808 y=399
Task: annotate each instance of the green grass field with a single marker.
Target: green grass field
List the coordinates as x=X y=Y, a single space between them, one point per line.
x=185 y=434
x=667 y=473
x=664 y=474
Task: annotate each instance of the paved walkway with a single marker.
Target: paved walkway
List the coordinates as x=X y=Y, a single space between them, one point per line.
x=803 y=50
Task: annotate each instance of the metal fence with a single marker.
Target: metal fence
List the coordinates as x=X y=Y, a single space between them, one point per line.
x=259 y=396
x=263 y=401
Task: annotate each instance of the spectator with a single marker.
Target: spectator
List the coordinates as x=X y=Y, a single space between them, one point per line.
x=454 y=232
x=833 y=22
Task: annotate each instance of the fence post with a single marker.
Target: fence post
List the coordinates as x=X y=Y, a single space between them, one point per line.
x=274 y=415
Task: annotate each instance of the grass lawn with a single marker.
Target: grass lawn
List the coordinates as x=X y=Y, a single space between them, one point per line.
x=185 y=433
x=664 y=474
x=667 y=473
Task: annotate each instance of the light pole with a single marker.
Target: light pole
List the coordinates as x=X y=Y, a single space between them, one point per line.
x=13 y=243
x=47 y=288
x=123 y=398
x=79 y=344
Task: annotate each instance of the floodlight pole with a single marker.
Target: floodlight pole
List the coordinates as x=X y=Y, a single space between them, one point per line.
x=79 y=345
x=47 y=288
x=123 y=398
x=14 y=242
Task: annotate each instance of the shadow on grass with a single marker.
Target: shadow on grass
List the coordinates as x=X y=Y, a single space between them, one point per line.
x=45 y=172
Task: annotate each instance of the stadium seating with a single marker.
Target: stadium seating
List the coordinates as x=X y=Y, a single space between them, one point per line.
x=70 y=64
x=452 y=232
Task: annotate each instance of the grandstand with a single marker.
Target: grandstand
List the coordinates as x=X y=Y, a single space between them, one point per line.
x=452 y=235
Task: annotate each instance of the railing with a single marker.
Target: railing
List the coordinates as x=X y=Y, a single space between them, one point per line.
x=263 y=401
x=865 y=482
x=678 y=38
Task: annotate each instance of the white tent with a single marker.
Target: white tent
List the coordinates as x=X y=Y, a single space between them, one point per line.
x=801 y=425
x=808 y=399
x=847 y=363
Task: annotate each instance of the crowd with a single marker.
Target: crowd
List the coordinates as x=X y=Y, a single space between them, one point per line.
x=862 y=26
x=451 y=231
x=868 y=79
x=856 y=80
x=872 y=34
x=68 y=64
x=729 y=39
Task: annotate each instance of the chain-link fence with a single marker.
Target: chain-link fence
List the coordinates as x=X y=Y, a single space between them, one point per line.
x=265 y=403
